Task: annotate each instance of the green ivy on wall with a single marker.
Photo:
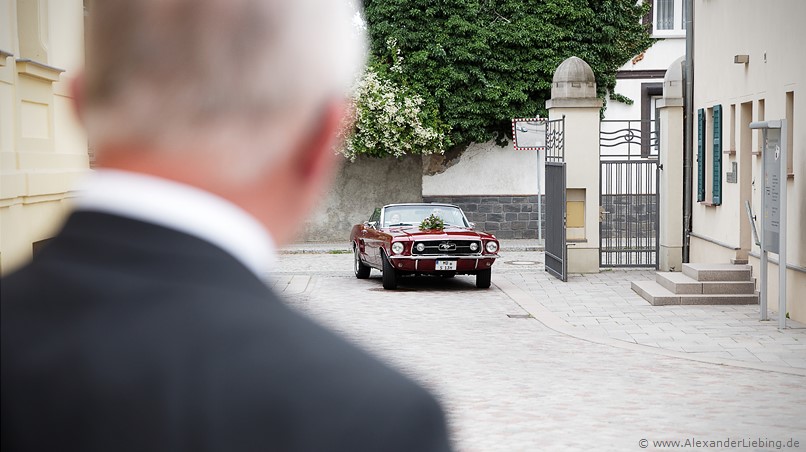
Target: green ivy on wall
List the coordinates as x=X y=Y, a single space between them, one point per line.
x=472 y=65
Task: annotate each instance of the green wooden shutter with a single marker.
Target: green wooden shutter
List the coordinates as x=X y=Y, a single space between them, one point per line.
x=700 y=155
x=717 y=186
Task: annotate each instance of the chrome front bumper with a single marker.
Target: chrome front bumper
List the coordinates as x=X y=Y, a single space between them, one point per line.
x=434 y=257
x=446 y=256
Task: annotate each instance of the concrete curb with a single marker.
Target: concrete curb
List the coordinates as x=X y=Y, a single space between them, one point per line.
x=316 y=248
x=551 y=321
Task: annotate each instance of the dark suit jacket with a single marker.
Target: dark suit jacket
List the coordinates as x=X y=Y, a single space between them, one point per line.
x=124 y=335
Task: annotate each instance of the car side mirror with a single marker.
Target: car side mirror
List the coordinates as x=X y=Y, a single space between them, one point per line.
x=372 y=224
x=472 y=225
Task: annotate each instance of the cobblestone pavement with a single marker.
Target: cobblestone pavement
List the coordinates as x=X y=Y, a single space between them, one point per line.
x=535 y=364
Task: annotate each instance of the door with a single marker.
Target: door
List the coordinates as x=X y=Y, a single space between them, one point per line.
x=556 y=247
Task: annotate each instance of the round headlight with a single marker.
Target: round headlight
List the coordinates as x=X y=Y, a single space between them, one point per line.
x=492 y=247
x=474 y=246
x=420 y=247
x=397 y=248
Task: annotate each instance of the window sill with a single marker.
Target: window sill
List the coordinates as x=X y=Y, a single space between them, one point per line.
x=669 y=34
x=756 y=153
x=790 y=176
x=729 y=152
x=708 y=204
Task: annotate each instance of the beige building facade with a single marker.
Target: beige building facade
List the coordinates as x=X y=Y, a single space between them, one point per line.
x=43 y=150
x=749 y=66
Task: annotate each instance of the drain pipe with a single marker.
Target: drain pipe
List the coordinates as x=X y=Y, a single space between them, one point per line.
x=688 y=130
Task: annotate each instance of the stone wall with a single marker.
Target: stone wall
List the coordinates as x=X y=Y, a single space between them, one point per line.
x=508 y=217
x=630 y=216
x=360 y=187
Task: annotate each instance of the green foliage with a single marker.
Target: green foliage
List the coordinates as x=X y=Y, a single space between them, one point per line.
x=478 y=63
x=620 y=98
x=432 y=223
x=390 y=118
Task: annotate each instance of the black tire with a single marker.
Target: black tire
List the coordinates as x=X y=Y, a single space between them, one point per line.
x=483 y=278
x=389 y=274
x=361 y=270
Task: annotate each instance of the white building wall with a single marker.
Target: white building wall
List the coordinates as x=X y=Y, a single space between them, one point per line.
x=656 y=58
x=488 y=169
x=773 y=38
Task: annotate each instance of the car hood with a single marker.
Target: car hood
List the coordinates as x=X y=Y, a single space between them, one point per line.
x=449 y=233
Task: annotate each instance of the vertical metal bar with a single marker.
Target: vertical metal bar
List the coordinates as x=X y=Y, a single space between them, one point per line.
x=640 y=243
x=627 y=182
x=611 y=180
x=688 y=132
x=763 y=263
x=649 y=230
x=656 y=199
x=601 y=203
x=608 y=217
x=565 y=231
x=539 y=207
x=782 y=237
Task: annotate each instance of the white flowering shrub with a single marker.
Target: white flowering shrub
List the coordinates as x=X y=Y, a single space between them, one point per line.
x=390 y=120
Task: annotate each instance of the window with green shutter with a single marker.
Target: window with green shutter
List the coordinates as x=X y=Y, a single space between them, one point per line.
x=701 y=155
x=717 y=186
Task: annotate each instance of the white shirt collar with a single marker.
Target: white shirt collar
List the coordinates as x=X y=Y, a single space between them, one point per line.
x=183 y=208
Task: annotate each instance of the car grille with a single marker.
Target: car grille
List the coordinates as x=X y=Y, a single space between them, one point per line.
x=446 y=247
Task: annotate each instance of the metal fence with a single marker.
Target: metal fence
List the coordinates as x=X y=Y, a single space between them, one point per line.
x=628 y=139
x=555 y=140
x=629 y=178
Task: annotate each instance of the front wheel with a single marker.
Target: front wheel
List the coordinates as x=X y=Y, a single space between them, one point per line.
x=361 y=270
x=483 y=278
x=389 y=274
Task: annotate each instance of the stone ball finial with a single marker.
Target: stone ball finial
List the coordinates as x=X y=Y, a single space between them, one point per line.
x=573 y=79
x=673 y=80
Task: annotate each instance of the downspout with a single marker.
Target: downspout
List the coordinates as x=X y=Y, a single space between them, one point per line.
x=688 y=130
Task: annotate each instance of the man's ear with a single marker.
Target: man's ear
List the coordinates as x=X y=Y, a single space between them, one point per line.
x=317 y=157
x=77 y=93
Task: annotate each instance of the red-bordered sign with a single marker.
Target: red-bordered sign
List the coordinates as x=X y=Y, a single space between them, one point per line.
x=529 y=134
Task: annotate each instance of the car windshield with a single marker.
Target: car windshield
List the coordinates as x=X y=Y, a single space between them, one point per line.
x=414 y=214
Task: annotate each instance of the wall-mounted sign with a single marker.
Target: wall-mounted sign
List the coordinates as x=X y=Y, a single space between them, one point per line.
x=772 y=189
x=529 y=134
x=732 y=176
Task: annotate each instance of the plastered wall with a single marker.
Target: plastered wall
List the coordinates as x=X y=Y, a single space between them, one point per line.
x=43 y=151
x=773 y=39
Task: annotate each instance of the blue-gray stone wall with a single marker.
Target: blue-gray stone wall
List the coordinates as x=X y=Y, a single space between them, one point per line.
x=630 y=216
x=507 y=217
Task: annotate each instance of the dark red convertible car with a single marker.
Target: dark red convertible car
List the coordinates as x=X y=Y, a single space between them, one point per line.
x=393 y=242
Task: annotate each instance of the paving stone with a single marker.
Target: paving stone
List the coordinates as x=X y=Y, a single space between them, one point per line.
x=515 y=384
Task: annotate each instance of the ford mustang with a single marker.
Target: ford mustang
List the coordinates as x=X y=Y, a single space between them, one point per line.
x=396 y=241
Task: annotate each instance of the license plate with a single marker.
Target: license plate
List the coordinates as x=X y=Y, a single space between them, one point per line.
x=445 y=265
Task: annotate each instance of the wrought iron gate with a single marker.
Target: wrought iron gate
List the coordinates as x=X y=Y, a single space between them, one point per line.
x=556 y=249
x=555 y=245
x=629 y=196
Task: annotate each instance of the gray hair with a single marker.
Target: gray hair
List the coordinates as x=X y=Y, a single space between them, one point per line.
x=174 y=74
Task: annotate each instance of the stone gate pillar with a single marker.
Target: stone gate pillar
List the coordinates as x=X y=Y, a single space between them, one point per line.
x=573 y=95
x=670 y=208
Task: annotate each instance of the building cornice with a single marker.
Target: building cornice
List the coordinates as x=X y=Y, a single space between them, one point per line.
x=641 y=74
x=575 y=102
x=670 y=102
x=38 y=70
